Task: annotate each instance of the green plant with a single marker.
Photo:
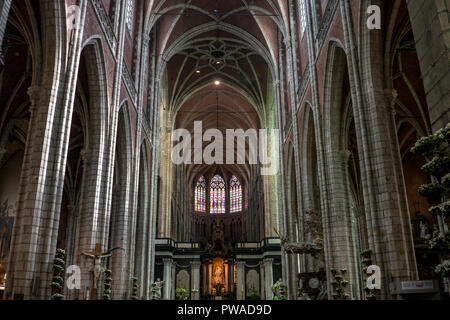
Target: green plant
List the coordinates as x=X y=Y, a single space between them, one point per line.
x=443 y=269
x=107 y=285
x=442 y=209
x=436 y=165
x=135 y=288
x=445 y=181
x=427 y=144
x=436 y=150
x=181 y=294
x=439 y=241
x=339 y=284
x=432 y=190
x=57 y=283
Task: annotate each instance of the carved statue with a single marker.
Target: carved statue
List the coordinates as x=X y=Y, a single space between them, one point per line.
x=218 y=272
x=217 y=245
x=313 y=224
x=300 y=248
x=98 y=256
x=156 y=290
x=278 y=290
x=323 y=294
x=423 y=230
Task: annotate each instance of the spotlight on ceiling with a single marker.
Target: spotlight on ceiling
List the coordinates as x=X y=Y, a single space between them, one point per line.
x=198 y=71
x=217 y=83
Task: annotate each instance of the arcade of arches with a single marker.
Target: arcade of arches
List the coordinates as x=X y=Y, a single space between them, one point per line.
x=92 y=93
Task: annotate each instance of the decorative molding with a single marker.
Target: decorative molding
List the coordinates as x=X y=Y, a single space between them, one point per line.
x=326 y=23
x=105 y=23
x=129 y=84
x=146 y=127
x=303 y=84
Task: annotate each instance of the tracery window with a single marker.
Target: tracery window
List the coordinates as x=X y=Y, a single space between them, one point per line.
x=235 y=195
x=217 y=195
x=200 y=196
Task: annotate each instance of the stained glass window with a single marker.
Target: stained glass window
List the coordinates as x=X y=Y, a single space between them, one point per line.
x=200 y=196
x=217 y=195
x=235 y=195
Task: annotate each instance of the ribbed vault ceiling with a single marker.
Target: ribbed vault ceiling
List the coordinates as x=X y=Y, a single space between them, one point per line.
x=231 y=41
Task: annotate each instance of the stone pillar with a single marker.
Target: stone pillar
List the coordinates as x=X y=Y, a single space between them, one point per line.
x=195 y=279
x=268 y=275
x=262 y=277
x=385 y=199
x=227 y=270
x=172 y=293
x=240 y=281
x=205 y=278
x=430 y=24
x=168 y=279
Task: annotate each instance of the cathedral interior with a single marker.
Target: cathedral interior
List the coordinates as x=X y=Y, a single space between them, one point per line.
x=224 y=149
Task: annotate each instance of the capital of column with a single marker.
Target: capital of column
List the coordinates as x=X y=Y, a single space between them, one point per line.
x=268 y=261
x=167 y=261
x=196 y=264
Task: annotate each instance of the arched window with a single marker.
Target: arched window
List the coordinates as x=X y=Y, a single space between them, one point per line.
x=217 y=195
x=200 y=196
x=235 y=195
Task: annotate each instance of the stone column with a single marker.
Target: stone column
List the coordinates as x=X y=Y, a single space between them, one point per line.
x=195 y=279
x=168 y=279
x=240 y=268
x=385 y=199
x=227 y=270
x=172 y=293
x=430 y=24
x=262 y=281
x=268 y=273
x=205 y=278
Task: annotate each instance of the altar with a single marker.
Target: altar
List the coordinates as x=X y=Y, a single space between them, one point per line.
x=218 y=278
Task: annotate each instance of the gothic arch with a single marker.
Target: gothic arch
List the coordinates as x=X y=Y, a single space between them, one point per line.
x=338 y=227
x=120 y=225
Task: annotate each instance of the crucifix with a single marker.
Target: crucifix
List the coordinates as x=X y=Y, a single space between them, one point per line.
x=98 y=256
